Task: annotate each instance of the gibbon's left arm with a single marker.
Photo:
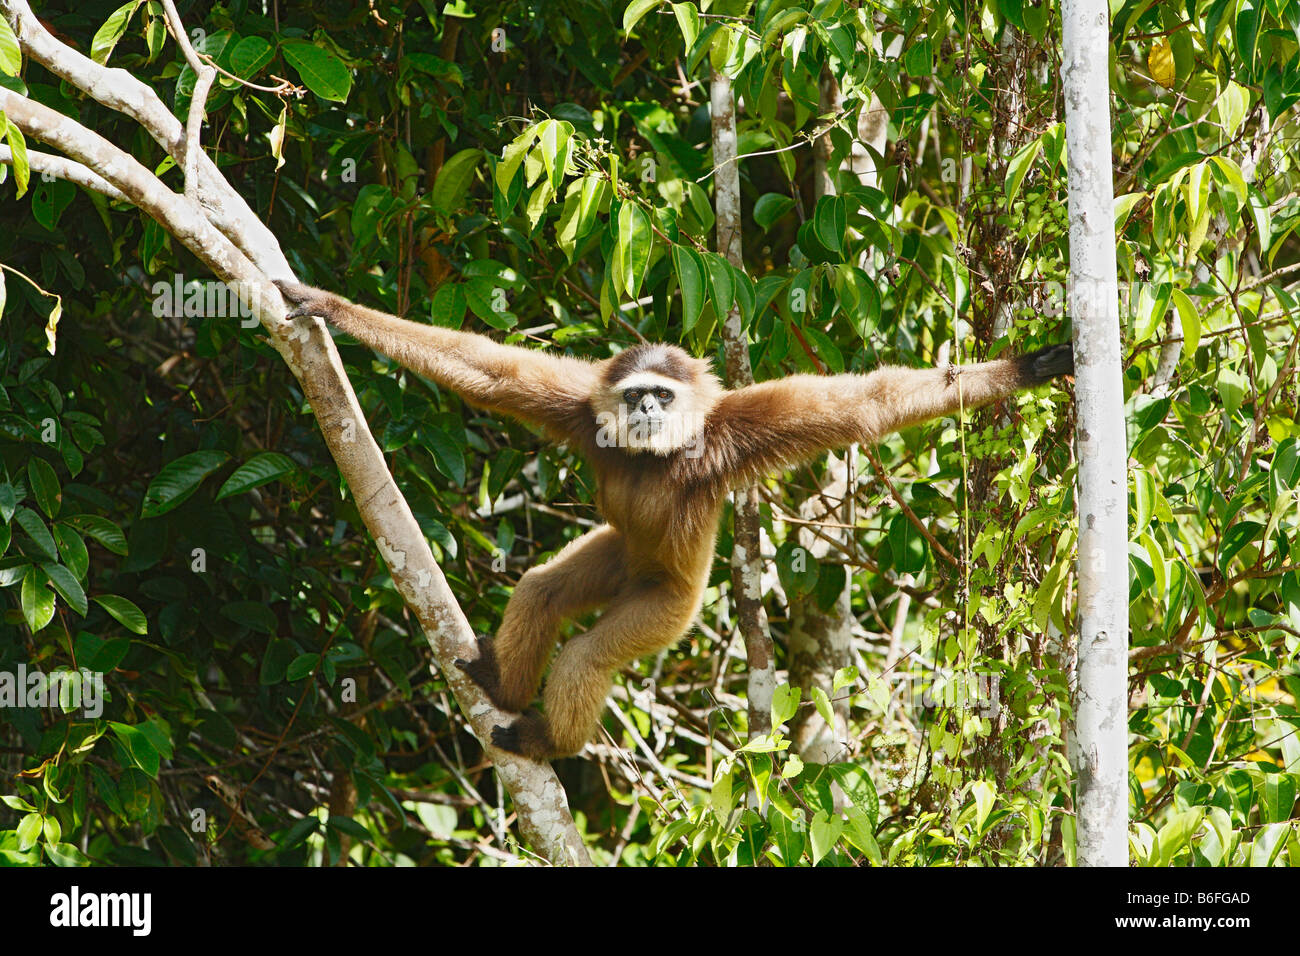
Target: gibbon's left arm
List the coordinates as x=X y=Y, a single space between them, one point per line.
x=765 y=427
x=548 y=390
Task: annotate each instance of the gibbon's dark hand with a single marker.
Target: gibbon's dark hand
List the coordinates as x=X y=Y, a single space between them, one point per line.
x=483 y=671
x=526 y=737
x=1050 y=361
x=304 y=299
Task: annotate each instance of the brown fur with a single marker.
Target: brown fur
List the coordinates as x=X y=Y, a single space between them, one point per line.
x=649 y=565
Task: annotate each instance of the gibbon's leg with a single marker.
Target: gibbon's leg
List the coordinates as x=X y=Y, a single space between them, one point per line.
x=585 y=575
x=645 y=617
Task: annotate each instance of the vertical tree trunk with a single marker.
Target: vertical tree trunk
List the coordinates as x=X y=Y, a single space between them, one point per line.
x=1101 y=718
x=746 y=561
x=820 y=642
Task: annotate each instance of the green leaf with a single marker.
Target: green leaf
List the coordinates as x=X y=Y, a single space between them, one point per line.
x=771 y=207
x=722 y=283
x=797 y=568
x=1277 y=797
x=262 y=468
x=1188 y=319
x=632 y=251
x=65 y=854
x=280 y=653
x=1232 y=389
x=861 y=833
x=32 y=525
x=1246 y=33
x=1020 y=165
x=101 y=529
x=785 y=704
x=1269 y=841
x=823 y=705
x=688 y=21
x=124 y=612
x=635 y=11
x=830 y=219
x=1236 y=182
x=448 y=306
x=298 y=832
x=18 y=146
x=67 y=585
x=512 y=156
x=907 y=546
x=321 y=71
x=140 y=748
x=690 y=279
x=253 y=615
x=11 y=57
x=448 y=455
x=37 y=600
x=1123 y=206
x=249 y=55
x=178 y=480
x=984 y=796
x=556 y=146
x=28 y=831
x=454 y=179
x=844 y=677
x=16 y=803
x=106 y=37
x=484 y=296
x=1236 y=538
x=581 y=206
x=823 y=832
x=301 y=666
x=1177 y=833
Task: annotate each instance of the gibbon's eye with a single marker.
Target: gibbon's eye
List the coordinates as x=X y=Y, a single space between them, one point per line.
x=631 y=396
x=664 y=395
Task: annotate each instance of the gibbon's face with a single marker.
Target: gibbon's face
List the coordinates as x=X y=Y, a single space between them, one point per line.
x=653 y=398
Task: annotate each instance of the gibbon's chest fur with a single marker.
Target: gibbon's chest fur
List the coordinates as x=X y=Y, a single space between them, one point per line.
x=668 y=521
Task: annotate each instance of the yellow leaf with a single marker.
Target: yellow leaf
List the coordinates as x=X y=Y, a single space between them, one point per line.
x=1161 y=62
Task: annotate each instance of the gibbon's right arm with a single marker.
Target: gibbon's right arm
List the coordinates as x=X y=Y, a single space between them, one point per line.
x=770 y=426
x=548 y=390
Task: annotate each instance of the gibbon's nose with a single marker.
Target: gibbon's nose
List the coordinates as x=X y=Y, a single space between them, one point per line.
x=649 y=405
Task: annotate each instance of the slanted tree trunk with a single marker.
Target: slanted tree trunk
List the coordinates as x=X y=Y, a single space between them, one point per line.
x=215 y=223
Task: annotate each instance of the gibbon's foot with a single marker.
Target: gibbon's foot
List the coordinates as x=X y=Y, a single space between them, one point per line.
x=1048 y=362
x=527 y=737
x=483 y=671
x=304 y=299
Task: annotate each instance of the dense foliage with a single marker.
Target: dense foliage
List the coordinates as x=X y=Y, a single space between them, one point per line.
x=540 y=171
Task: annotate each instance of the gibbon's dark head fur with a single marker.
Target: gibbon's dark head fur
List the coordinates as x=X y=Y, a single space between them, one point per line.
x=653 y=397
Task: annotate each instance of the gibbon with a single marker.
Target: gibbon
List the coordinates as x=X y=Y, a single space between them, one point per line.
x=667 y=442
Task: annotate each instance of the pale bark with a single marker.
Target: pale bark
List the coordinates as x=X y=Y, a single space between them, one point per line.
x=821 y=642
x=221 y=230
x=746 y=559
x=1101 y=715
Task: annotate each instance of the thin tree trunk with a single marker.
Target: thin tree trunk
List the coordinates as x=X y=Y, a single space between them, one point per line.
x=1101 y=716
x=746 y=559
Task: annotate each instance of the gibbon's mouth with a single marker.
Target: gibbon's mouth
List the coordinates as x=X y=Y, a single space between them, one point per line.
x=644 y=423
